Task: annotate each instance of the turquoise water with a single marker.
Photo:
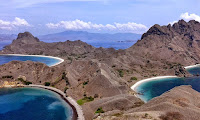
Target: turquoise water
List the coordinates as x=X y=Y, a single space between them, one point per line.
x=48 y=61
x=32 y=104
x=151 y=89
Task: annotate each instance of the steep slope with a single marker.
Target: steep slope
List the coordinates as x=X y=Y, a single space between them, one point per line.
x=180 y=103
x=26 y=43
x=178 y=43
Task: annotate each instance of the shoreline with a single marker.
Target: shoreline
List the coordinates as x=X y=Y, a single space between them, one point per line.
x=192 y=66
x=134 y=86
x=77 y=110
x=57 y=58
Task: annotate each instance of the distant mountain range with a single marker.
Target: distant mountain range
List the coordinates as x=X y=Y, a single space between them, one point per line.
x=90 y=37
x=106 y=40
x=7 y=37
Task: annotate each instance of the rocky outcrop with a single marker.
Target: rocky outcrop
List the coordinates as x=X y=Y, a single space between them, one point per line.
x=26 y=43
x=180 y=103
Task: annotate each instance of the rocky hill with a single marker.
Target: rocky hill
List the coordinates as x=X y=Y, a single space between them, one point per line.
x=180 y=103
x=26 y=43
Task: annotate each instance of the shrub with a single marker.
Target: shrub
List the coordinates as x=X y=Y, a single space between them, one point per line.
x=85 y=83
x=133 y=78
x=24 y=82
x=84 y=100
x=65 y=89
x=47 y=83
x=99 y=110
x=121 y=73
x=8 y=76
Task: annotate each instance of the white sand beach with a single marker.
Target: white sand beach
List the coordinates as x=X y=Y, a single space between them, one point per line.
x=150 y=79
x=60 y=59
x=192 y=66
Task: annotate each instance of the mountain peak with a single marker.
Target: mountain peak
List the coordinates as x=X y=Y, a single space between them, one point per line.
x=156 y=30
x=26 y=38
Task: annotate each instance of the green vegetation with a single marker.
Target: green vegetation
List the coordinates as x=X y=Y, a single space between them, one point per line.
x=24 y=82
x=64 y=77
x=85 y=83
x=8 y=76
x=99 y=110
x=84 y=100
x=65 y=89
x=47 y=83
x=133 y=78
x=121 y=73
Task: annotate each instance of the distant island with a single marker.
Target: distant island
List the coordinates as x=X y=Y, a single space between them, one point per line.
x=100 y=79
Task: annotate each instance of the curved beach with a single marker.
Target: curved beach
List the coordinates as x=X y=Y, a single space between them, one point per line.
x=157 y=78
x=192 y=66
x=77 y=110
x=60 y=59
x=150 y=79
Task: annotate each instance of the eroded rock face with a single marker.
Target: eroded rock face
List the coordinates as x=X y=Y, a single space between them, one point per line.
x=180 y=103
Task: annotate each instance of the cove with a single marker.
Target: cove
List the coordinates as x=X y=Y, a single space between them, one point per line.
x=48 y=60
x=32 y=104
x=150 y=88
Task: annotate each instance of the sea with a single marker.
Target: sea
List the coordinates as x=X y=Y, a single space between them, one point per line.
x=46 y=60
x=32 y=104
x=151 y=89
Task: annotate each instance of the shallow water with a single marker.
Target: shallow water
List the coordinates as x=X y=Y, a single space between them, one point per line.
x=32 y=104
x=47 y=60
x=154 y=88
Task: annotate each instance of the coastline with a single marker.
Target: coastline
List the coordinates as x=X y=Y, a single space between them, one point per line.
x=57 y=58
x=150 y=79
x=77 y=110
x=133 y=87
x=192 y=66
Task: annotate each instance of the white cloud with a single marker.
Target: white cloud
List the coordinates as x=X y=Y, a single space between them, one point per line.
x=186 y=16
x=81 y=25
x=173 y=22
x=17 y=22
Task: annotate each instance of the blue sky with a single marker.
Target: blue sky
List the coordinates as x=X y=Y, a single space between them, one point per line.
x=50 y=16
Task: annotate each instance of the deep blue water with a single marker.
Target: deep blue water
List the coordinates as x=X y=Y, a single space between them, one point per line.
x=48 y=61
x=32 y=104
x=151 y=89
x=115 y=45
x=106 y=44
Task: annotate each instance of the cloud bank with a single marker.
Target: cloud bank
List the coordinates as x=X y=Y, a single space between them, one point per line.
x=81 y=25
x=187 y=17
x=10 y=25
